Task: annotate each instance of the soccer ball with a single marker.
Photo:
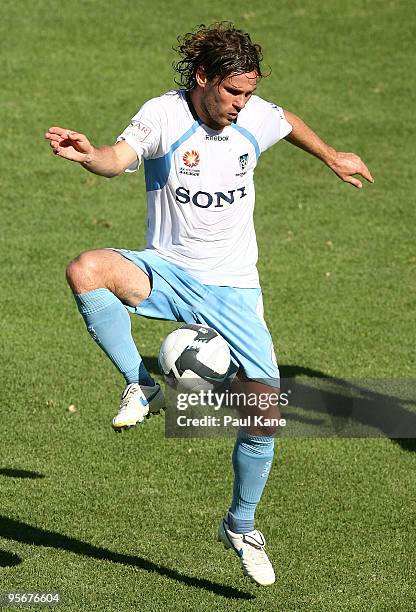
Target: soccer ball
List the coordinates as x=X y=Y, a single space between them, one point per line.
x=194 y=358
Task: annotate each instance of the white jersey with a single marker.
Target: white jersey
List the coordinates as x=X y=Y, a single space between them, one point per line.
x=199 y=183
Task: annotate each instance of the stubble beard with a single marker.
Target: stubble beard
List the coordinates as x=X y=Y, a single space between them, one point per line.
x=213 y=120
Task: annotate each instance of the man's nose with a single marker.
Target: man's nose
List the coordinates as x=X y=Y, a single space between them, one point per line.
x=239 y=102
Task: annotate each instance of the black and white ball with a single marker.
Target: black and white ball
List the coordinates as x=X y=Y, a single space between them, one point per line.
x=194 y=358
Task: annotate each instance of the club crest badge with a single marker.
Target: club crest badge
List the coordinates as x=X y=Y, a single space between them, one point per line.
x=243 y=159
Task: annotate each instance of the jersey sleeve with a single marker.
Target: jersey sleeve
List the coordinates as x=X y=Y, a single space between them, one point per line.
x=143 y=133
x=273 y=125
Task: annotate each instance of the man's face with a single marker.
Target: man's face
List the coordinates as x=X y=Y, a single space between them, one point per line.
x=221 y=102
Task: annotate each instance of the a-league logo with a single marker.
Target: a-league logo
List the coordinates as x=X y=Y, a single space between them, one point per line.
x=191 y=158
x=243 y=159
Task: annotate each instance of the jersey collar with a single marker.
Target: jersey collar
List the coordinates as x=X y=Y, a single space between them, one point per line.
x=191 y=106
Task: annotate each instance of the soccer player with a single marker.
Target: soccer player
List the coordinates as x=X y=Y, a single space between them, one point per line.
x=199 y=145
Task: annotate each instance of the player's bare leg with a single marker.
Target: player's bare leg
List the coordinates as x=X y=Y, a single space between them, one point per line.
x=268 y=412
x=107 y=268
x=252 y=460
x=103 y=282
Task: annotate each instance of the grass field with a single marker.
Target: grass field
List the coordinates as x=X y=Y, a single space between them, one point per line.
x=120 y=523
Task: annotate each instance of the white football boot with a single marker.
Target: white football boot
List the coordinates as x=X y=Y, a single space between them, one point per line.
x=137 y=403
x=249 y=547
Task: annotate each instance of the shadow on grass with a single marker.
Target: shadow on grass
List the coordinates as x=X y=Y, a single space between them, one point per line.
x=8 y=559
x=407 y=444
x=351 y=402
x=13 y=473
x=152 y=365
x=11 y=529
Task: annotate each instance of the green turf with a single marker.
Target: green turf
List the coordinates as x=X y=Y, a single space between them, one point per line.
x=120 y=523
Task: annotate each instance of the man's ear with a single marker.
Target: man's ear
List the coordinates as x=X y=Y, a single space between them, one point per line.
x=200 y=77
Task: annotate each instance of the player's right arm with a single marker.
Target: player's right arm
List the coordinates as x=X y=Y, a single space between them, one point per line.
x=106 y=161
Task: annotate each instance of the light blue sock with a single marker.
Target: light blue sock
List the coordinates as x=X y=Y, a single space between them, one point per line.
x=108 y=323
x=252 y=461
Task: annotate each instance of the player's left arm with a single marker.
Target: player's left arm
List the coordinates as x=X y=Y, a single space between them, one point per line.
x=345 y=165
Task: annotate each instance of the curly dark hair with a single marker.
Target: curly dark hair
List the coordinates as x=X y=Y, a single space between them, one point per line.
x=221 y=49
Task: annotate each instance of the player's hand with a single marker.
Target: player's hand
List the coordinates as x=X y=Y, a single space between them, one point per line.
x=346 y=165
x=70 y=145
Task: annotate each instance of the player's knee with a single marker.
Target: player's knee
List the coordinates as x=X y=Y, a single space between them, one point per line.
x=267 y=421
x=262 y=430
x=82 y=271
x=266 y=430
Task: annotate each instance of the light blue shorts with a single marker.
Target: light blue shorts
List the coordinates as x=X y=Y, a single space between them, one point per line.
x=235 y=313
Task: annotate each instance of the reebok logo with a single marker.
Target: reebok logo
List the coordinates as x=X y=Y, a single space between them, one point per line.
x=216 y=138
